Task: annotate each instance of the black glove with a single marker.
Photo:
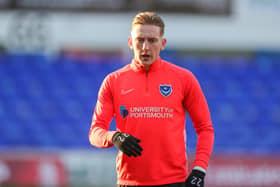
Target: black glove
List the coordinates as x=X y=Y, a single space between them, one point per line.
x=195 y=179
x=127 y=144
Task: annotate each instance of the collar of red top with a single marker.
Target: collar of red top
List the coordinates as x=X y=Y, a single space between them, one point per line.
x=136 y=66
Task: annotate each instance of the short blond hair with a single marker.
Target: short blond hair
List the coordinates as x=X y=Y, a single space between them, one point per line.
x=148 y=18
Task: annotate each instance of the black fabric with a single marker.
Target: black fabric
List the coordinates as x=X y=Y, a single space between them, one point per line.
x=195 y=179
x=128 y=144
x=181 y=184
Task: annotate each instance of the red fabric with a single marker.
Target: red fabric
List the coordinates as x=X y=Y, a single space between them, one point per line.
x=132 y=95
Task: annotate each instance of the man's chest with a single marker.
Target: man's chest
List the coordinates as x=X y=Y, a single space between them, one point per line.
x=149 y=90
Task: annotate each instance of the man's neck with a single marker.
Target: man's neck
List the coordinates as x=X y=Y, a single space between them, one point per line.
x=147 y=67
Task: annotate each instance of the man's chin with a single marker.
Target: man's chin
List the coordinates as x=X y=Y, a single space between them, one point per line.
x=146 y=62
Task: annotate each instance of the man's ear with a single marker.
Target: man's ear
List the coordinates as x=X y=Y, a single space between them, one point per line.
x=163 y=44
x=130 y=42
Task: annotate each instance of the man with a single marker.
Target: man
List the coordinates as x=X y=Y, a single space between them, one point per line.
x=149 y=99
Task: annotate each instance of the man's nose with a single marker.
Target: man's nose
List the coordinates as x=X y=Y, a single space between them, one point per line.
x=146 y=44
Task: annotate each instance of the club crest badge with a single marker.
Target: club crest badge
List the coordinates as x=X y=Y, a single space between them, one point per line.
x=165 y=90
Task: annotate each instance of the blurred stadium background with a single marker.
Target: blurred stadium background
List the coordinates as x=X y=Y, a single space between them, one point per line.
x=54 y=55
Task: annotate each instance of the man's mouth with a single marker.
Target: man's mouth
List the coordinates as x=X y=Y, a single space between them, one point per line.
x=145 y=56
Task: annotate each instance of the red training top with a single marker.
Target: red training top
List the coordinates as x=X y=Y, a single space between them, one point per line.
x=151 y=105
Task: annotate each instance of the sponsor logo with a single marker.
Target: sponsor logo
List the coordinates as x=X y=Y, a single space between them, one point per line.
x=147 y=112
x=124 y=112
x=165 y=90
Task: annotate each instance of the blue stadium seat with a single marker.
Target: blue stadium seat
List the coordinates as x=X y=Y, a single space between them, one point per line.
x=47 y=102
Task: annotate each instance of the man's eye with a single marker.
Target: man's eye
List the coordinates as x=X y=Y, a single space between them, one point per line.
x=152 y=40
x=140 y=40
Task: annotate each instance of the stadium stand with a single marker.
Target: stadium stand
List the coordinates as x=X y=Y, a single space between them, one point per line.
x=47 y=102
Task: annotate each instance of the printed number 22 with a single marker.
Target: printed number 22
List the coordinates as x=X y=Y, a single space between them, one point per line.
x=196 y=181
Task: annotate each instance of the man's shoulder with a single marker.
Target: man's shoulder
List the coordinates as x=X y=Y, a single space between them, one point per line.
x=121 y=71
x=169 y=66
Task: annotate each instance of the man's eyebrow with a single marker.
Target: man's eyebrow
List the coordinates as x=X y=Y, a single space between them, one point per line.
x=133 y=35
x=147 y=37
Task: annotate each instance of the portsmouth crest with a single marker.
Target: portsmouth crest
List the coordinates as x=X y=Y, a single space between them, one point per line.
x=165 y=90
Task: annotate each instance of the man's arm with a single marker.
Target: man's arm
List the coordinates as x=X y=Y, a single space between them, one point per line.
x=198 y=110
x=99 y=134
